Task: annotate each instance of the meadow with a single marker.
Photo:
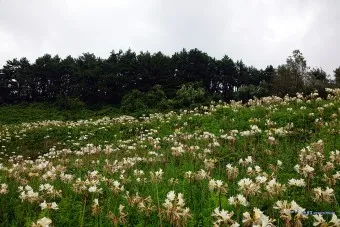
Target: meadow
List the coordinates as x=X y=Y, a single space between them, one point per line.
x=269 y=162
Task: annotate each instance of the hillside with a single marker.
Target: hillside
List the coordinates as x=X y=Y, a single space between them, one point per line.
x=271 y=160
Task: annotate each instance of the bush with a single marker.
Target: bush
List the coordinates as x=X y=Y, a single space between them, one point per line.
x=248 y=92
x=69 y=103
x=166 y=104
x=133 y=102
x=190 y=95
x=155 y=97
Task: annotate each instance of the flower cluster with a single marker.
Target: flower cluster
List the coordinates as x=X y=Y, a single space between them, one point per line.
x=291 y=213
x=223 y=218
x=174 y=209
x=27 y=194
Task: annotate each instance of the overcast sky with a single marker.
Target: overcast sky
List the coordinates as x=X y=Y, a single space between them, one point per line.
x=260 y=32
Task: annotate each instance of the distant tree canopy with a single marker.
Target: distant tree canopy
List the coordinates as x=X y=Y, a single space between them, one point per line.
x=184 y=78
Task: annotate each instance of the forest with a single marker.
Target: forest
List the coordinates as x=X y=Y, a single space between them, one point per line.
x=137 y=82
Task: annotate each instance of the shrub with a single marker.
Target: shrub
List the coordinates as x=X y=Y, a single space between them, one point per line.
x=69 y=103
x=190 y=95
x=248 y=92
x=155 y=97
x=133 y=102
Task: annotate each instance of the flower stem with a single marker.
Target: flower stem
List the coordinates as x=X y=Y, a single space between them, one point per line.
x=219 y=199
x=82 y=217
x=159 y=208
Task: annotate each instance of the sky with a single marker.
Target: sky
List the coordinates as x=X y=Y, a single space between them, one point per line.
x=260 y=32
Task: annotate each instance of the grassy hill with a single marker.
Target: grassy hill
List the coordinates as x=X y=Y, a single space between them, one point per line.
x=270 y=161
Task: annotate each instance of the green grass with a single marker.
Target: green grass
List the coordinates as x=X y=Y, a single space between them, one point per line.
x=147 y=144
x=32 y=112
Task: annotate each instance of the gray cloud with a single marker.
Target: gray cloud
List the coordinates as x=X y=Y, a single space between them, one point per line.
x=260 y=32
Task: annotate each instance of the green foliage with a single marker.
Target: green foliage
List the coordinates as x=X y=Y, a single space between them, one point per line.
x=96 y=82
x=87 y=148
x=190 y=95
x=291 y=76
x=248 y=92
x=317 y=76
x=337 y=76
x=133 y=102
x=187 y=96
x=28 y=112
x=69 y=103
x=155 y=98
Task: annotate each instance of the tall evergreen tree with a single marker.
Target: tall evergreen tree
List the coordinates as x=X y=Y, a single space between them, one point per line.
x=337 y=76
x=227 y=77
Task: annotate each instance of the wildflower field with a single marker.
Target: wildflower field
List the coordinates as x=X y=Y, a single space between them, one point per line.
x=269 y=162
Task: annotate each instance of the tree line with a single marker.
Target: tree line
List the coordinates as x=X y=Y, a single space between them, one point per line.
x=144 y=80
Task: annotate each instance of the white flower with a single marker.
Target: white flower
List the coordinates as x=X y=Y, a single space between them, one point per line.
x=48 y=206
x=297 y=182
x=271 y=139
x=249 y=160
x=54 y=206
x=43 y=205
x=239 y=199
x=326 y=195
x=257 y=219
x=212 y=184
x=223 y=217
x=319 y=220
x=248 y=187
x=279 y=163
x=180 y=198
x=261 y=179
x=297 y=168
x=167 y=204
x=296 y=207
x=28 y=188
x=171 y=195
x=44 y=222
x=116 y=183
x=257 y=169
x=3 y=188
x=335 y=220
x=93 y=188
x=218 y=185
x=307 y=170
x=281 y=205
x=159 y=173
